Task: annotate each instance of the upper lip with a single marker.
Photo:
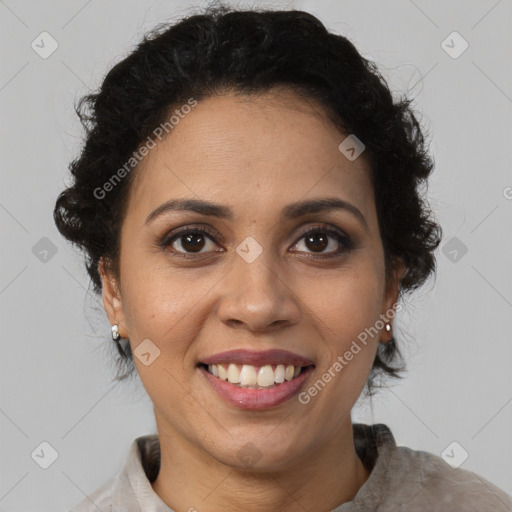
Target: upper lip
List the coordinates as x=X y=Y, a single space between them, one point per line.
x=257 y=357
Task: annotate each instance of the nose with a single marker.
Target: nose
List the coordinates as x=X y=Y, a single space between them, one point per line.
x=256 y=297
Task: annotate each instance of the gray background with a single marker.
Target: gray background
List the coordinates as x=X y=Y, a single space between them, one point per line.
x=55 y=370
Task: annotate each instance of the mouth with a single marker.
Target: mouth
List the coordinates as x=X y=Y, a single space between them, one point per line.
x=248 y=376
x=256 y=380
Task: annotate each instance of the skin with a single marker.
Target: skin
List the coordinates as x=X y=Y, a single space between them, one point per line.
x=254 y=154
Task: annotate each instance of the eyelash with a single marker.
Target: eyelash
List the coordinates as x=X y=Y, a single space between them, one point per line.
x=343 y=240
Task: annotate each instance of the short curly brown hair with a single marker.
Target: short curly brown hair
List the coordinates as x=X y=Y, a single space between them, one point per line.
x=252 y=51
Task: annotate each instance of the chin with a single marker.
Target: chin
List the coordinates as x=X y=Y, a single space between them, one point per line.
x=255 y=454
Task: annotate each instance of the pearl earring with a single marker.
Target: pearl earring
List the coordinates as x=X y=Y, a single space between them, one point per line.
x=115 y=332
x=388 y=327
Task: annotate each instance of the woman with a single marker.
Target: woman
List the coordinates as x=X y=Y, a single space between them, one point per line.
x=248 y=199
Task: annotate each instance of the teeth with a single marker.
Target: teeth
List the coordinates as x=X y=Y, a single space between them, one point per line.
x=279 y=374
x=248 y=376
x=233 y=374
x=223 y=373
x=265 y=376
x=254 y=376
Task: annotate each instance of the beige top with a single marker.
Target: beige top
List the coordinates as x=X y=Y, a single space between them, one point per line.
x=401 y=480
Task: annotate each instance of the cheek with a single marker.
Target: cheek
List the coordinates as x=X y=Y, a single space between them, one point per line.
x=154 y=298
x=167 y=312
x=161 y=311
x=351 y=301
x=346 y=309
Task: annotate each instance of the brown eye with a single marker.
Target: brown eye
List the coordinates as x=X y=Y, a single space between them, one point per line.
x=318 y=239
x=189 y=241
x=193 y=242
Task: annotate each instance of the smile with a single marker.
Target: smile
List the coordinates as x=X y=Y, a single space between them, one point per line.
x=249 y=379
x=254 y=377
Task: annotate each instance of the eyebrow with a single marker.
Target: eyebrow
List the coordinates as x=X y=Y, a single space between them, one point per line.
x=289 y=212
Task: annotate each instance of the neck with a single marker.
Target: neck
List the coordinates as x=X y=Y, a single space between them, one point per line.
x=190 y=479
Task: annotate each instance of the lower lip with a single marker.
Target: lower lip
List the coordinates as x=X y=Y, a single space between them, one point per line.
x=257 y=398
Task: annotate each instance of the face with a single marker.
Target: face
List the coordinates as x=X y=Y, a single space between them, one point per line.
x=255 y=280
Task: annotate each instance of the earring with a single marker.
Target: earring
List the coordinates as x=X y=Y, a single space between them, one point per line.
x=388 y=327
x=115 y=332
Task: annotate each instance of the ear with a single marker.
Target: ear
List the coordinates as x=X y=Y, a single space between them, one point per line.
x=112 y=300
x=391 y=297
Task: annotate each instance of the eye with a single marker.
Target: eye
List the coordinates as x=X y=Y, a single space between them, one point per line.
x=188 y=241
x=320 y=238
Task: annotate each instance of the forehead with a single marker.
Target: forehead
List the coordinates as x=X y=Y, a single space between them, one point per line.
x=256 y=151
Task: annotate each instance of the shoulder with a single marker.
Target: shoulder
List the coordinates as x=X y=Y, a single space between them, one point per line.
x=99 y=501
x=431 y=483
x=120 y=493
x=404 y=479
